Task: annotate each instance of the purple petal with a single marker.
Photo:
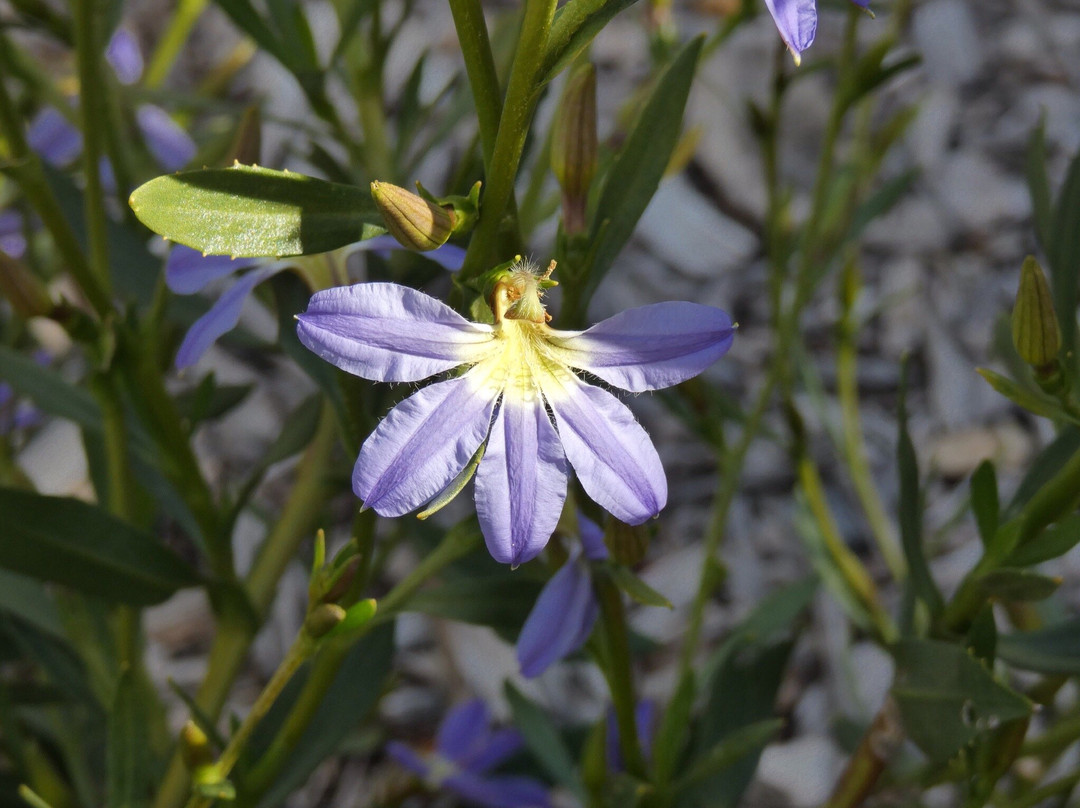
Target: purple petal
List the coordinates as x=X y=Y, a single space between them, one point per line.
x=650 y=347
x=592 y=538
x=125 y=56
x=521 y=482
x=222 y=318
x=610 y=452
x=561 y=620
x=796 y=21
x=498 y=792
x=188 y=271
x=497 y=747
x=12 y=238
x=465 y=727
x=171 y=146
x=406 y=757
x=644 y=714
x=390 y=333
x=54 y=138
x=423 y=443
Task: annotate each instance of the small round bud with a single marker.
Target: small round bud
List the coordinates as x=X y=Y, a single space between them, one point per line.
x=322 y=619
x=1035 y=330
x=195 y=747
x=415 y=222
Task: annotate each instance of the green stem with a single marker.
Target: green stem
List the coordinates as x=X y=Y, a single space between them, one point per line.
x=28 y=173
x=370 y=106
x=521 y=98
x=171 y=42
x=855 y=453
x=472 y=34
x=94 y=117
x=235 y=633
x=618 y=670
x=458 y=542
x=298 y=654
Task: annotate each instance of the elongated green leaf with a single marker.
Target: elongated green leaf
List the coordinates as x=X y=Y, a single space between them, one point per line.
x=499 y=601
x=947 y=697
x=247 y=19
x=1035 y=403
x=79 y=545
x=127 y=755
x=910 y=510
x=984 y=501
x=26 y=598
x=745 y=741
x=1048 y=463
x=672 y=735
x=544 y=741
x=1053 y=542
x=635 y=174
x=252 y=211
x=57 y=659
x=1053 y=650
x=1018 y=585
x=574 y=26
x=1039 y=183
x=1064 y=254
x=637 y=588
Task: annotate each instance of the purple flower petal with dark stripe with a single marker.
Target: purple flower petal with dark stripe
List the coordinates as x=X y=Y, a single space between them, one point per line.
x=521 y=482
x=423 y=443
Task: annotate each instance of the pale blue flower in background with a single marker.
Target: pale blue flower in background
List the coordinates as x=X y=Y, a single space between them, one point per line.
x=188 y=272
x=519 y=373
x=566 y=610
x=466 y=750
x=797 y=22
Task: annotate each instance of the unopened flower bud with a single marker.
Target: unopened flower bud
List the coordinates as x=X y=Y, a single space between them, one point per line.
x=573 y=145
x=22 y=289
x=195 y=747
x=322 y=619
x=415 y=222
x=1035 y=330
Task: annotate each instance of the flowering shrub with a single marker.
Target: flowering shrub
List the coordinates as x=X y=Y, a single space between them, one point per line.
x=410 y=342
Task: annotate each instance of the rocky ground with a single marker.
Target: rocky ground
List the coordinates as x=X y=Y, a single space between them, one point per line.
x=941 y=269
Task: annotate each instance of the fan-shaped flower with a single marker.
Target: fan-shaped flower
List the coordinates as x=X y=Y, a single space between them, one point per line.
x=519 y=397
x=466 y=749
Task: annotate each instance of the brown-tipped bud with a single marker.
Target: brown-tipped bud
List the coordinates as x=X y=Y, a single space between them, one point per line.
x=415 y=222
x=573 y=145
x=195 y=747
x=25 y=293
x=322 y=619
x=1035 y=330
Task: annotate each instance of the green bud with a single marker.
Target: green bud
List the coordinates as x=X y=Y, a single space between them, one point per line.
x=359 y=614
x=573 y=145
x=417 y=223
x=322 y=619
x=195 y=747
x=463 y=209
x=1035 y=330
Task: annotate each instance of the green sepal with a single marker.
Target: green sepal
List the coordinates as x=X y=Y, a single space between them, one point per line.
x=465 y=208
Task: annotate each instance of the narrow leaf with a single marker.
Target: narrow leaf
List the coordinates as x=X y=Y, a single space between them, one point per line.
x=248 y=211
x=1039 y=183
x=544 y=740
x=1064 y=254
x=637 y=588
x=79 y=545
x=635 y=174
x=1053 y=542
x=984 y=500
x=1052 y=650
x=126 y=758
x=1018 y=585
x=574 y=26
